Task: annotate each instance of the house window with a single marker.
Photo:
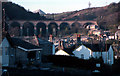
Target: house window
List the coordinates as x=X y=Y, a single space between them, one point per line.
x=82 y=56
x=0 y=51
x=6 y=50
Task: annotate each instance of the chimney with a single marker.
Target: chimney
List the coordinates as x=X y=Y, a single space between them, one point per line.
x=61 y=45
x=50 y=38
x=78 y=39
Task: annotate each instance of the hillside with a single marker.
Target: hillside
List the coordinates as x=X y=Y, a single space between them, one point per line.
x=107 y=16
x=16 y=12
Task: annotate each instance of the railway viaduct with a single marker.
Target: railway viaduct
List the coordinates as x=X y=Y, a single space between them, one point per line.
x=35 y=27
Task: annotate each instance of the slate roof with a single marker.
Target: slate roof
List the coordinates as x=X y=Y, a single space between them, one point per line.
x=69 y=50
x=23 y=44
x=41 y=42
x=97 y=47
x=31 y=39
x=93 y=47
x=15 y=42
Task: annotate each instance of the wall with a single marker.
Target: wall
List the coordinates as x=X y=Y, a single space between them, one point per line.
x=21 y=56
x=47 y=50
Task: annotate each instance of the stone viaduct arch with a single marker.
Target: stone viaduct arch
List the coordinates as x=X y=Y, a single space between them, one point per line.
x=64 y=26
x=76 y=26
x=53 y=28
x=28 y=29
x=43 y=28
x=14 y=29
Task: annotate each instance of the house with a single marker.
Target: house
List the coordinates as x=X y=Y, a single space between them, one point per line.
x=111 y=37
x=92 y=27
x=64 y=51
x=48 y=48
x=16 y=51
x=107 y=56
x=97 y=32
x=119 y=27
x=82 y=52
x=117 y=35
x=84 y=38
x=106 y=52
x=86 y=51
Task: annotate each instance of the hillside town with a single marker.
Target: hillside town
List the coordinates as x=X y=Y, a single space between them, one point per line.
x=57 y=47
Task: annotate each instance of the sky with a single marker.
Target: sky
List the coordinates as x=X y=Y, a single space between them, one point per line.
x=59 y=6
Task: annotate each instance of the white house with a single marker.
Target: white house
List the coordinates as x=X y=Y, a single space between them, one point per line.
x=107 y=56
x=87 y=51
x=117 y=34
x=82 y=52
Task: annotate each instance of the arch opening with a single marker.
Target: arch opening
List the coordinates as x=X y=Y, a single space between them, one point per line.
x=64 y=28
x=41 y=29
x=14 y=29
x=76 y=27
x=53 y=28
x=28 y=29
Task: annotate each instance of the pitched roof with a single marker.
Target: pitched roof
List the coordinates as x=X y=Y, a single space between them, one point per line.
x=68 y=50
x=61 y=52
x=98 y=47
x=17 y=42
x=41 y=42
x=23 y=44
x=31 y=39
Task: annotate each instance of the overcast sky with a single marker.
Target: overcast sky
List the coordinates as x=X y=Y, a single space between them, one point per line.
x=58 y=6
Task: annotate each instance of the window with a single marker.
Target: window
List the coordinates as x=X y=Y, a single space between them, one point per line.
x=82 y=56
